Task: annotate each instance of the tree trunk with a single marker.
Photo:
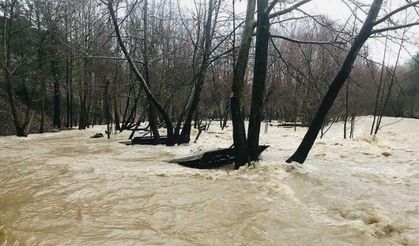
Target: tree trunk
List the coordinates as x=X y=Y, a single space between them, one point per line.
x=152 y=116
x=57 y=96
x=82 y=116
x=380 y=85
x=390 y=87
x=43 y=95
x=196 y=92
x=70 y=108
x=259 y=77
x=187 y=125
x=346 y=110
x=117 y=119
x=236 y=96
x=106 y=108
x=67 y=95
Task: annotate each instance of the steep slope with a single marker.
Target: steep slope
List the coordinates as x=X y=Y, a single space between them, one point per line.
x=6 y=120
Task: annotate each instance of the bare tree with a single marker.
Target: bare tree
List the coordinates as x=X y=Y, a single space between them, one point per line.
x=139 y=77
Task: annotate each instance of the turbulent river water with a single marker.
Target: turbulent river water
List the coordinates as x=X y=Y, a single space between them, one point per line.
x=67 y=189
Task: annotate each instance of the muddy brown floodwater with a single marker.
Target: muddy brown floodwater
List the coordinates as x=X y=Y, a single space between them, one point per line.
x=67 y=189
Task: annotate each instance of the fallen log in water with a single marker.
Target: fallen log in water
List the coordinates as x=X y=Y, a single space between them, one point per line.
x=211 y=159
x=289 y=125
x=145 y=140
x=97 y=135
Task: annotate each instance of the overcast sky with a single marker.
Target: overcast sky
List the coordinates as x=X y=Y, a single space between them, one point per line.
x=337 y=10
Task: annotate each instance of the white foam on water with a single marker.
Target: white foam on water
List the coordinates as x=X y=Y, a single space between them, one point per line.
x=67 y=189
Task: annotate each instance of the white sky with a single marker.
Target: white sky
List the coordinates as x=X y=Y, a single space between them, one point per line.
x=337 y=10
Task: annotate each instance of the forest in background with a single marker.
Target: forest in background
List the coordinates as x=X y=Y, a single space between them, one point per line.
x=80 y=63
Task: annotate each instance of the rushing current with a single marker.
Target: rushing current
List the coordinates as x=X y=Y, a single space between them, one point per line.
x=68 y=189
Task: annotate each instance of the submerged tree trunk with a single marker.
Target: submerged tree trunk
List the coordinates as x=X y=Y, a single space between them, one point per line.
x=380 y=86
x=42 y=121
x=194 y=101
x=117 y=120
x=56 y=77
x=67 y=93
x=346 y=110
x=390 y=87
x=236 y=96
x=38 y=79
x=57 y=96
x=152 y=117
x=259 y=77
x=196 y=92
x=82 y=115
x=301 y=154
x=107 y=110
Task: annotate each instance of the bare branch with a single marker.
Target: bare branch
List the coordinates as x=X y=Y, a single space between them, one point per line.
x=271 y=6
x=287 y=10
x=109 y=58
x=306 y=41
x=392 y=28
x=387 y=16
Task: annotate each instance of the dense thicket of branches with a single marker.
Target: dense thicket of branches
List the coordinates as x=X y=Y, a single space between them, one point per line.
x=172 y=63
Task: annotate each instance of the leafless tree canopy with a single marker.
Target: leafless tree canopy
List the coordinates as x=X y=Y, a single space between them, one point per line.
x=176 y=64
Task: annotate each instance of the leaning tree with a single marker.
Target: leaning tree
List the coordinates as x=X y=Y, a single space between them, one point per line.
x=369 y=28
